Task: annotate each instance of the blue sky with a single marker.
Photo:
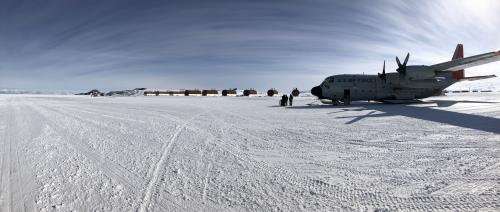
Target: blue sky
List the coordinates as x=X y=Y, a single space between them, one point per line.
x=120 y=44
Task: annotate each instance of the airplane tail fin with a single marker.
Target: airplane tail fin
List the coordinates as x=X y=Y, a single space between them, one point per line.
x=459 y=54
x=459 y=75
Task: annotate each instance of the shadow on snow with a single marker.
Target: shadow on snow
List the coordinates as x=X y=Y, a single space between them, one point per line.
x=426 y=112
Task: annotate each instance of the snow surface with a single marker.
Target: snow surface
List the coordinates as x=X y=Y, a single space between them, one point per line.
x=238 y=153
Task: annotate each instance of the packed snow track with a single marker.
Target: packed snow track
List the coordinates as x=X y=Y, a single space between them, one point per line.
x=63 y=153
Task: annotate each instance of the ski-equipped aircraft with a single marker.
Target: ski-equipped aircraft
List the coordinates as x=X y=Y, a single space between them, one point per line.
x=409 y=83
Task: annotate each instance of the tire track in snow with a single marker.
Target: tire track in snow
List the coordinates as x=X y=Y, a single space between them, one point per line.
x=102 y=114
x=111 y=169
x=353 y=197
x=274 y=172
x=10 y=168
x=156 y=173
x=206 y=180
x=359 y=196
x=100 y=124
x=123 y=112
x=6 y=201
x=93 y=122
x=16 y=170
x=15 y=182
x=347 y=196
x=25 y=179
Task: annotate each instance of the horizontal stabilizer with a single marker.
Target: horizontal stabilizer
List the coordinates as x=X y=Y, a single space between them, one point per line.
x=477 y=78
x=459 y=64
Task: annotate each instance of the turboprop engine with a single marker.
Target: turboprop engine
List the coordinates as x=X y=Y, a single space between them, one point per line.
x=413 y=72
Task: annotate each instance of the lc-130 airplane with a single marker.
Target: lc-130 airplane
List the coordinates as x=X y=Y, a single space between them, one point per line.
x=408 y=84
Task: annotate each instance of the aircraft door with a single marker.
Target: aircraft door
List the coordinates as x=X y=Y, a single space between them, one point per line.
x=347 y=96
x=380 y=89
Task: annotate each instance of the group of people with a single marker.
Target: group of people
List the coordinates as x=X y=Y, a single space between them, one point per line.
x=285 y=100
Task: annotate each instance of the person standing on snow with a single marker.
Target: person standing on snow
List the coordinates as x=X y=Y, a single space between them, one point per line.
x=284 y=100
x=290 y=99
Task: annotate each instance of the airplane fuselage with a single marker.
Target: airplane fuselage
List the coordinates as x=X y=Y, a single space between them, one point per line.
x=407 y=83
x=355 y=87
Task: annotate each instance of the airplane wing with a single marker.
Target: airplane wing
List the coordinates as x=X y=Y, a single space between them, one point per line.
x=463 y=63
x=477 y=78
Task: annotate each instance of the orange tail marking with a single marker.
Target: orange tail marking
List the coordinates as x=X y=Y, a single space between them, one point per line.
x=459 y=54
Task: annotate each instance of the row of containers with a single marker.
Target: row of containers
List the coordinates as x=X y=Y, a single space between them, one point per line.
x=213 y=92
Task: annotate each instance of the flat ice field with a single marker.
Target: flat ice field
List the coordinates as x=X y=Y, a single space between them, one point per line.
x=237 y=153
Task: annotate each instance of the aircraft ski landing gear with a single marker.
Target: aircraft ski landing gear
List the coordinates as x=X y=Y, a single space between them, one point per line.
x=347 y=102
x=330 y=102
x=347 y=97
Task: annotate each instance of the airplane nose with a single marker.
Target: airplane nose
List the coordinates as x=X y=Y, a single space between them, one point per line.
x=316 y=91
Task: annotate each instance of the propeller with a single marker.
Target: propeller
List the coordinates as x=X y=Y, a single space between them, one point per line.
x=383 y=75
x=402 y=67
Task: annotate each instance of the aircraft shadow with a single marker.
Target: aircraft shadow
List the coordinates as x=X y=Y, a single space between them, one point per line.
x=428 y=113
x=448 y=103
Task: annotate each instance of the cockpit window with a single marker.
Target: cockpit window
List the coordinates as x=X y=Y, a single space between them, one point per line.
x=329 y=79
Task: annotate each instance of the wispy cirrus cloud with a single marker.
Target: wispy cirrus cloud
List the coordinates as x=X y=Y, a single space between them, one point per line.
x=123 y=44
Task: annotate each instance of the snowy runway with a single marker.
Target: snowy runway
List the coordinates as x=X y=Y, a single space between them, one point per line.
x=216 y=153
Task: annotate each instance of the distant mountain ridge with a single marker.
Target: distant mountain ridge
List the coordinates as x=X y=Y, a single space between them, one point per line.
x=33 y=91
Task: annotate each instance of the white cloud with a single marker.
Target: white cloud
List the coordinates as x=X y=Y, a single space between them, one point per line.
x=121 y=44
